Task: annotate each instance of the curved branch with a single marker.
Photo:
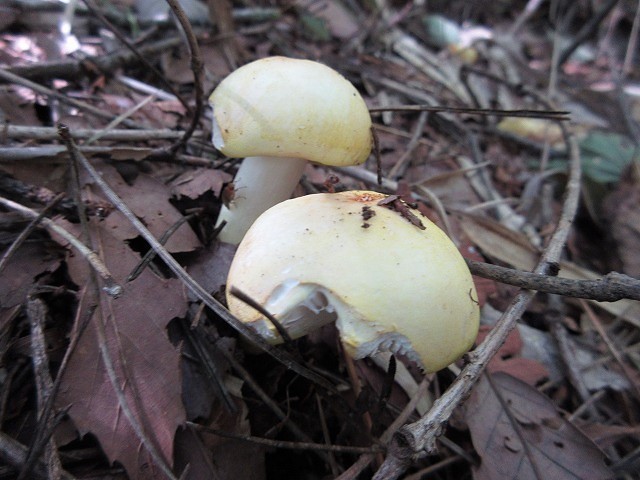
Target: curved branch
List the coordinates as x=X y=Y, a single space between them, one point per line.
x=196 y=68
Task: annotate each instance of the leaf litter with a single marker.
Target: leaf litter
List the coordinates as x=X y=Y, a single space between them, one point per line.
x=163 y=377
x=145 y=363
x=519 y=434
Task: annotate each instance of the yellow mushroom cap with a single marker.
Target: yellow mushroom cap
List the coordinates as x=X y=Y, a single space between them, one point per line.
x=283 y=107
x=387 y=283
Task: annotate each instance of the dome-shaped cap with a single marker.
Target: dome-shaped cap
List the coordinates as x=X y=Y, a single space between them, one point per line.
x=388 y=284
x=283 y=107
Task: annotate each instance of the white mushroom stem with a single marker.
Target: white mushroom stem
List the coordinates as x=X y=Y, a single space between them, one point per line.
x=261 y=182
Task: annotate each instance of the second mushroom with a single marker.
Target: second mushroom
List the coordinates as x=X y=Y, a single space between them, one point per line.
x=278 y=113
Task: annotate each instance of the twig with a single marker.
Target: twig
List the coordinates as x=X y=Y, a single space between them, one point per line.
x=624 y=366
x=566 y=348
x=196 y=68
x=6 y=256
x=402 y=163
x=43 y=432
x=14 y=453
x=19 y=154
x=145 y=88
x=420 y=437
x=549 y=114
x=286 y=444
x=587 y=30
x=110 y=285
x=612 y=287
x=100 y=113
x=189 y=282
x=333 y=464
x=37 y=312
x=197 y=340
x=118 y=385
x=272 y=405
x=363 y=462
x=632 y=45
x=150 y=255
x=425 y=472
x=72 y=69
x=21 y=132
x=93 y=8
x=245 y=298
x=53 y=153
x=121 y=118
x=221 y=15
x=529 y=10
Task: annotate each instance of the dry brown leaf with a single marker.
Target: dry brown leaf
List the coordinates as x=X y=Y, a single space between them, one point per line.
x=18 y=277
x=519 y=434
x=16 y=108
x=194 y=183
x=148 y=199
x=176 y=67
x=211 y=266
x=508 y=359
x=147 y=365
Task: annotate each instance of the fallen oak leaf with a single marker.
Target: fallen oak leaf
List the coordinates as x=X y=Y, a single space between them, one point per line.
x=145 y=362
x=519 y=434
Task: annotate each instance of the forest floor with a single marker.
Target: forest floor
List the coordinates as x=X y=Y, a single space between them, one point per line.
x=514 y=126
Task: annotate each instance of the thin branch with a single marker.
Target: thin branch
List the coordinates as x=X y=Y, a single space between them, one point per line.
x=548 y=114
x=612 y=287
x=42 y=434
x=285 y=444
x=288 y=423
x=95 y=11
x=110 y=285
x=196 y=68
x=25 y=132
x=119 y=383
x=37 y=313
x=14 y=453
x=72 y=69
x=587 y=30
x=6 y=256
x=363 y=462
x=95 y=111
x=53 y=152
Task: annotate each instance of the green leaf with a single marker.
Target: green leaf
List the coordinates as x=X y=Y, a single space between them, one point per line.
x=315 y=28
x=605 y=155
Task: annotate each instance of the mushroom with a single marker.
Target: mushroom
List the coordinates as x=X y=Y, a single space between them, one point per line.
x=280 y=113
x=388 y=277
